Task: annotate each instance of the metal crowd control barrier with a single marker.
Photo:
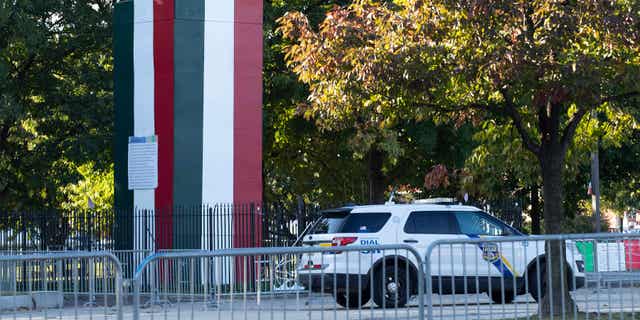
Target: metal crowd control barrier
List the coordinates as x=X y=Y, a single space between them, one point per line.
x=48 y=285
x=520 y=277
x=330 y=282
x=129 y=260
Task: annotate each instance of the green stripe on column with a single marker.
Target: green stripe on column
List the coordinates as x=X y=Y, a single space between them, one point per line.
x=188 y=113
x=123 y=99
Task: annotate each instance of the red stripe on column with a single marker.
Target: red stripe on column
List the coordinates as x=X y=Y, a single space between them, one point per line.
x=163 y=51
x=247 y=170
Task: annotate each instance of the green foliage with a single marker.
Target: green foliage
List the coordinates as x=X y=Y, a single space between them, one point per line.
x=620 y=174
x=582 y=224
x=500 y=165
x=536 y=68
x=329 y=165
x=299 y=159
x=56 y=108
x=95 y=187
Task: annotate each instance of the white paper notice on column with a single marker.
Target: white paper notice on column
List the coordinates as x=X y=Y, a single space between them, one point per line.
x=143 y=163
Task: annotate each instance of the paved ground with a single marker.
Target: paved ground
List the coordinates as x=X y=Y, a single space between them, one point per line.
x=301 y=307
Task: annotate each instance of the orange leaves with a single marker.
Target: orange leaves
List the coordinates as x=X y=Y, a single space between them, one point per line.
x=295 y=26
x=479 y=8
x=437 y=177
x=343 y=63
x=373 y=64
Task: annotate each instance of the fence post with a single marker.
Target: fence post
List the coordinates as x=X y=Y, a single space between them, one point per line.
x=43 y=232
x=252 y=261
x=136 y=298
x=119 y=292
x=264 y=224
x=24 y=233
x=58 y=274
x=252 y=218
x=300 y=216
x=90 y=225
x=429 y=285
x=92 y=289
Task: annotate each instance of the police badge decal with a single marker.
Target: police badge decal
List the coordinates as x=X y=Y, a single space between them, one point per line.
x=490 y=252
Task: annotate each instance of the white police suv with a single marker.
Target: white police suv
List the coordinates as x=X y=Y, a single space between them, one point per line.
x=500 y=269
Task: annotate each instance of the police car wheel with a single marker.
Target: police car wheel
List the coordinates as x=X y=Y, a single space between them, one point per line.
x=353 y=300
x=538 y=293
x=390 y=287
x=498 y=297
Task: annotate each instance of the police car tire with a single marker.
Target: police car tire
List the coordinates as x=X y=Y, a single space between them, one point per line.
x=353 y=302
x=536 y=293
x=533 y=283
x=497 y=298
x=379 y=290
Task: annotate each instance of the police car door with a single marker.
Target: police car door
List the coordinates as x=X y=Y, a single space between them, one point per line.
x=497 y=263
x=423 y=228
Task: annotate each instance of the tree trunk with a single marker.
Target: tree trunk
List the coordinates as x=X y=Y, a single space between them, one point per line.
x=556 y=300
x=376 y=178
x=535 y=209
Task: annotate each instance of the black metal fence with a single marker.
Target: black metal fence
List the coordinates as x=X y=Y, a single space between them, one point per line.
x=181 y=227
x=507 y=210
x=56 y=230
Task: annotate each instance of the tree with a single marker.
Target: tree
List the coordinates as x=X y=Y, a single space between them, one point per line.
x=380 y=140
x=55 y=97
x=331 y=167
x=501 y=166
x=543 y=65
x=299 y=160
x=94 y=191
x=620 y=172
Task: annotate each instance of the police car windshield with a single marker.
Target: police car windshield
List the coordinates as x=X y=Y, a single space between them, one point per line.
x=366 y=222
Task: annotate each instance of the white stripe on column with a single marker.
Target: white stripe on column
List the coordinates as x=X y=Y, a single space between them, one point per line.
x=143 y=106
x=217 y=171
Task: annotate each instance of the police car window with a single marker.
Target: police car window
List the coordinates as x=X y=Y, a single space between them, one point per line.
x=431 y=223
x=366 y=222
x=473 y=223
x=326 y=225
